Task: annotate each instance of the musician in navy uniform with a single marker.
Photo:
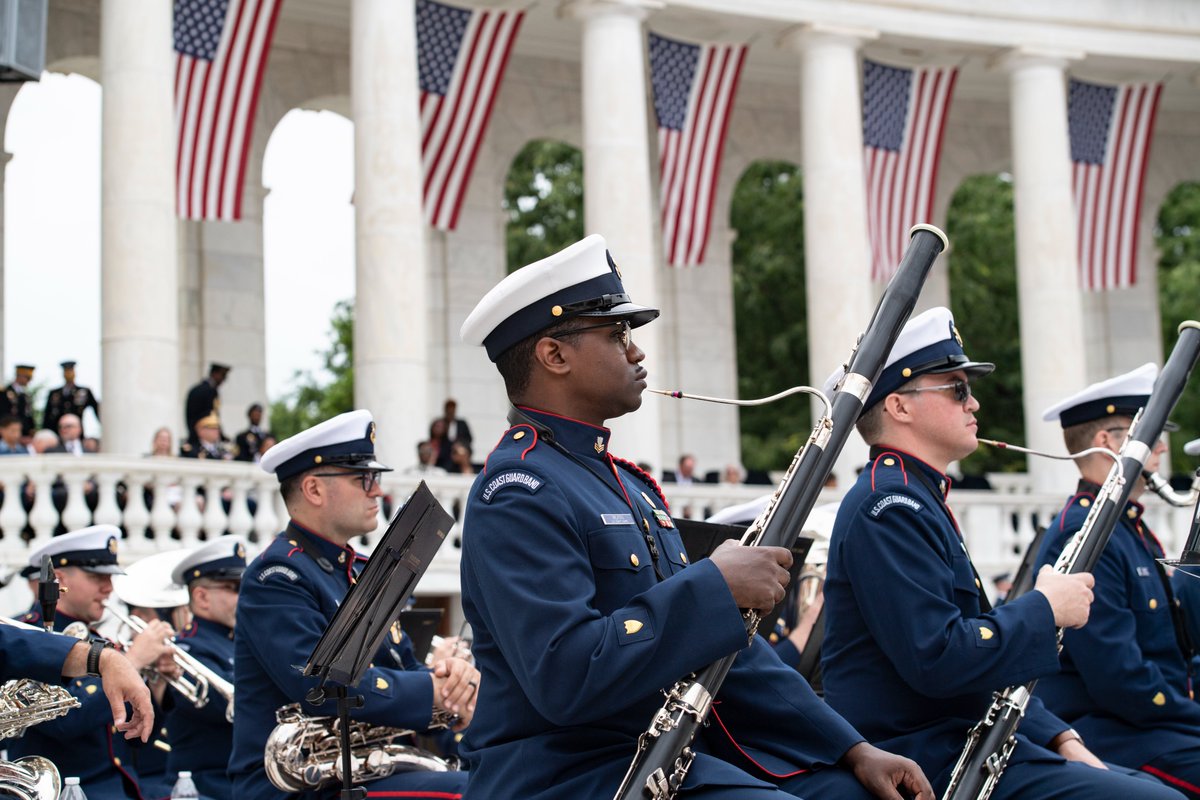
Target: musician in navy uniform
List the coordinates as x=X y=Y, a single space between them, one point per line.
x=577 y=586
x=82 y=743
x=15 y=400
x=1126 y=680
x=202 y=738
x=1186 y=580
x=329 y=480
x=70 y=398
x=913 y=651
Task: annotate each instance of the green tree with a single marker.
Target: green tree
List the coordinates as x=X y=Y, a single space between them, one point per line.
x=315 y=398
x=1177 y=235
x=543 y=199
x=983 y=298
x=770 y=316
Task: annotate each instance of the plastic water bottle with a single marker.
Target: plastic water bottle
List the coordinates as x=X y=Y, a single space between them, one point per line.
x=71 y=790
x=184 y=787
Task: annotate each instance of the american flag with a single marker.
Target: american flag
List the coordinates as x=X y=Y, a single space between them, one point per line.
x=221 y=52
x=461 y=55
x=694 y=86
x=904 y=114
x=1110 y=130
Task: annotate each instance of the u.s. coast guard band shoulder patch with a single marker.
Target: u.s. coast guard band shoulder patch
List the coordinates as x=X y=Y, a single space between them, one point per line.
x=278 y=569
x=510 y=478
x=893 y=501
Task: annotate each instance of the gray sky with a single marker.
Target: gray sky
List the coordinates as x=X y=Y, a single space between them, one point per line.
x=52 y=233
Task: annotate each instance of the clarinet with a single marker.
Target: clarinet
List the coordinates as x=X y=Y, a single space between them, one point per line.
x=991 y=742
x=664 y=752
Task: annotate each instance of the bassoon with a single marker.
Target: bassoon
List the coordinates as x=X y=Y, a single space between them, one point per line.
x=664 y=752
x=991 y=742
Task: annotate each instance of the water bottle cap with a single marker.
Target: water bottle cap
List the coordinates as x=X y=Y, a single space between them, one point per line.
x=71 y=781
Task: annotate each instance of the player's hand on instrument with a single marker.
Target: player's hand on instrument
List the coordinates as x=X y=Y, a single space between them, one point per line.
x=123 y=684
x=456 y=688
x=1070 y=596
x=1074 y=750
x=151 y=643
x=757 y=576
x=885 y=774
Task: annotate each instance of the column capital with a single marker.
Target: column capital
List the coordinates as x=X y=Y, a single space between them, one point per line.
x=1019 y=58
x=800 y=37
x=584 y=9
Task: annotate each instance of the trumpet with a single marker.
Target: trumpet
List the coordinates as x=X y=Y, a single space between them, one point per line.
x=196 y=680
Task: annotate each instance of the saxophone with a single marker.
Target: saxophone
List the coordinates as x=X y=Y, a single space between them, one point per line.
x=30 y=778
x=303 y=753
x=25 y=703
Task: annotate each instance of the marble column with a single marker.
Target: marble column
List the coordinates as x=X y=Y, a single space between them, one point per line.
x=1053 y=356
x=6 y=369
x=837 y=253
x=139 y=311
x=391 y=325
x=619 y=196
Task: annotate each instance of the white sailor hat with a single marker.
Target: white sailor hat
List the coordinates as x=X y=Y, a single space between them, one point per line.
x=1192 y=448
x=580 y=281
x=929 y=343
x=1120 y=396
x=224 y=558
x=92 y=549
x=147 y=581
x=346 y=441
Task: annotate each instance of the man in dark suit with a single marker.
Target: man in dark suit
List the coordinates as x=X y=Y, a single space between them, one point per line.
x=70 y=398
x=204 y=399
x=15 y=401
x=457 y=429
x=248 y=441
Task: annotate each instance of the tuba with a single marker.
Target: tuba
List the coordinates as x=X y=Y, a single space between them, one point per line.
x=30 y=778
x=304 y=753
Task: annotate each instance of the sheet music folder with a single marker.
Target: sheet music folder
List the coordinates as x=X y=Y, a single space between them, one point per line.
x=381 y=591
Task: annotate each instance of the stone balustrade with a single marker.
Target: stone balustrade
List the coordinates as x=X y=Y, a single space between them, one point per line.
x=165 y=503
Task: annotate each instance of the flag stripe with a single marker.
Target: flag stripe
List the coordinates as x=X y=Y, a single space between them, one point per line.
x=216 y=102
x=1111 y=128
x=453 y=125
x=901 y=153
x=694 y=88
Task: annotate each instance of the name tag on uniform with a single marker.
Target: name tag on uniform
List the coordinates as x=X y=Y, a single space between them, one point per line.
x=617 y=519
x=1143 y=572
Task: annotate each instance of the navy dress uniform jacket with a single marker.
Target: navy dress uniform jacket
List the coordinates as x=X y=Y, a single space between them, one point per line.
x=33 y=654
x=285 y=603
x=911 y=657
x=17 y=403
x=1125 y=682
x=576 y=633
x=201 y=738
x=82 y=743
x=68 y=400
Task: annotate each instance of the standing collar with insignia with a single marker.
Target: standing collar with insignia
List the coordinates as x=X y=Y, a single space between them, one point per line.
x=338 y=556
x=581 y=438
x=1133 y=509
x=910 y=462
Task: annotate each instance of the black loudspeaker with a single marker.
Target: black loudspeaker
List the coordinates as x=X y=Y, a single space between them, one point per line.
x=22 y=39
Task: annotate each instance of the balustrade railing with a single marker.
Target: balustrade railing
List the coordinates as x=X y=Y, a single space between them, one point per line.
x=164 y=503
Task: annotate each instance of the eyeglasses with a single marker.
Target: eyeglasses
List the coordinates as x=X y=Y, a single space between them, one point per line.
x=622 y=331
x=961 y=389
x=368 y=480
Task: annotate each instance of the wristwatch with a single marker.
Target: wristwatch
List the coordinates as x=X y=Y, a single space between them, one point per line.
x=93 y=658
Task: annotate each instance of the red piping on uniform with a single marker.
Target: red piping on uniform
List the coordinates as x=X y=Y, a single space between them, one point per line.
x=1062 y=518
x=568 y=419
x=501 y=439
x=293 y=551
x=747 y=755
x=898 y=458
x=1158 y=773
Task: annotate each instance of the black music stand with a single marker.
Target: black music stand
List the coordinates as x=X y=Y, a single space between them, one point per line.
x=369 y=608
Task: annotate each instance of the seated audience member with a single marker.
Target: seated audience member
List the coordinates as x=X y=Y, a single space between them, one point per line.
x=207 y=443
x=10 y=437
x=460 y=454
x=44 y=441
x=163 y=443
x=70 y=434
x=686 y=472
x=426 y=461
x=733 y=475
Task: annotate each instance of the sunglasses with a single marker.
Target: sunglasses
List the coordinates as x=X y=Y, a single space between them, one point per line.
x=961 y=389
x=368 y=480
x=622 y=331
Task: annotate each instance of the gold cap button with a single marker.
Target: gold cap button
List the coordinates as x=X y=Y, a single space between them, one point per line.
x=518 y=436
x=906 y=372
x=633 y=559
x=889 y=462
x=556 y=311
